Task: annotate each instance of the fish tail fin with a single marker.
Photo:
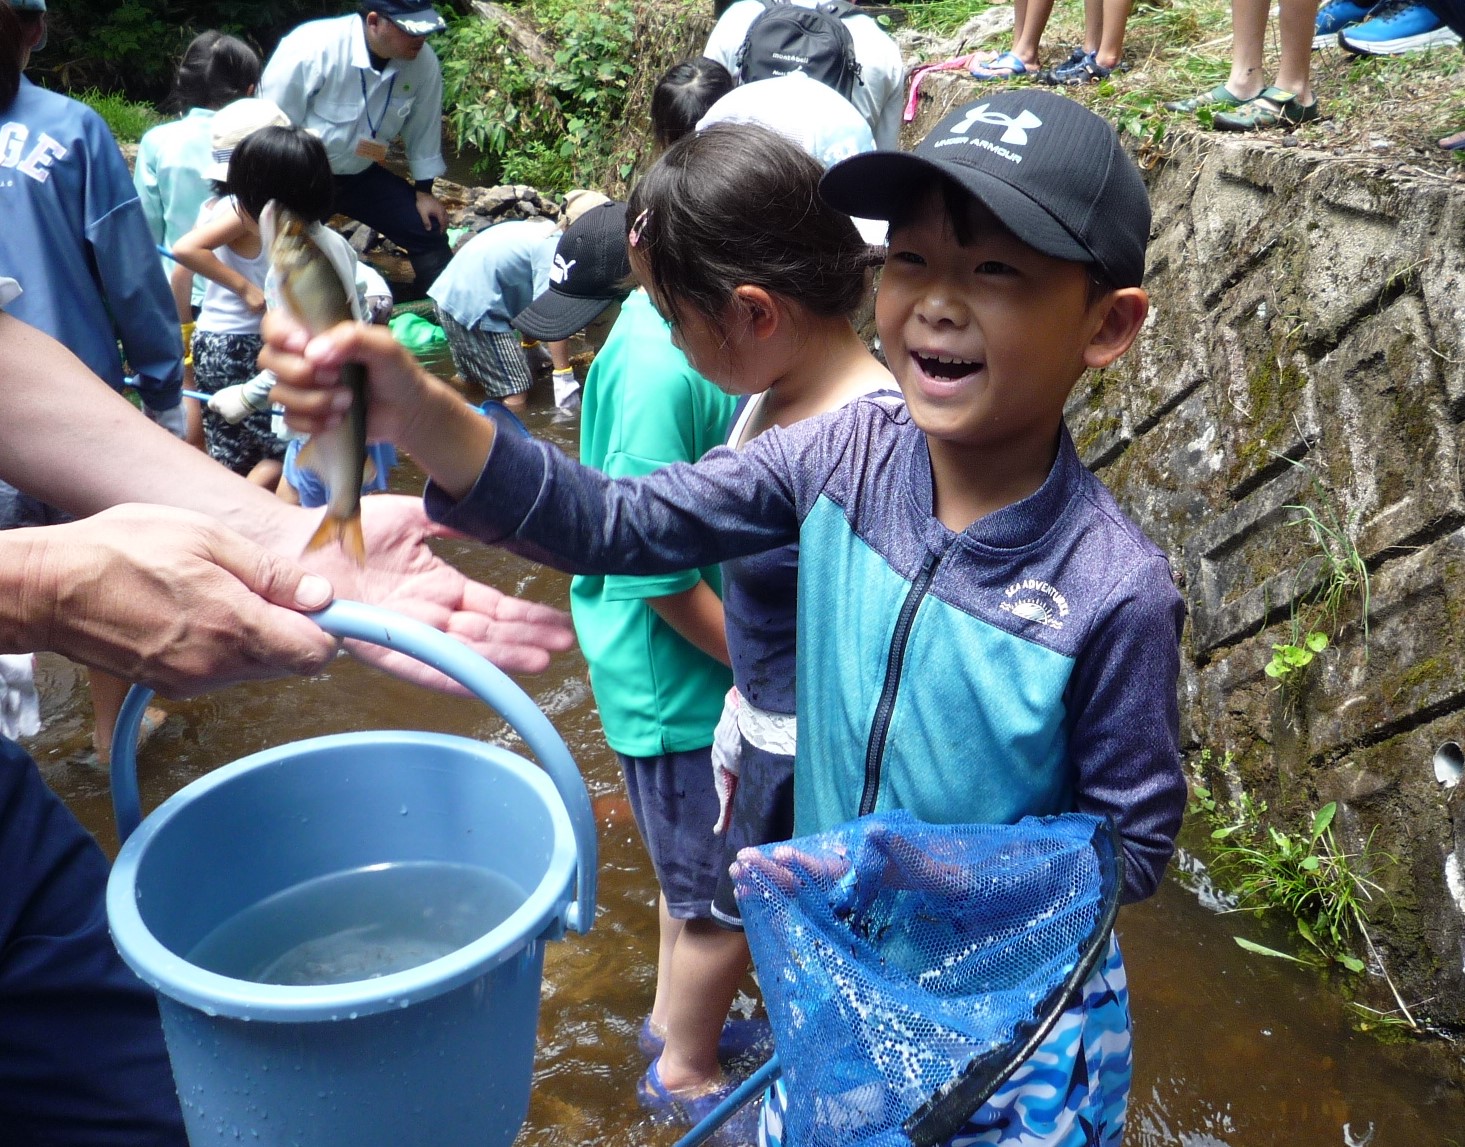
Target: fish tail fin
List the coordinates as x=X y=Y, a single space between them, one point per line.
x=344 y=532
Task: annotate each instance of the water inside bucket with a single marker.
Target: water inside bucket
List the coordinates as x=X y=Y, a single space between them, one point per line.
x=359 y=924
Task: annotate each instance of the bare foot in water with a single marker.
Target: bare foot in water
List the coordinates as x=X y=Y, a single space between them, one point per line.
x=152 y=721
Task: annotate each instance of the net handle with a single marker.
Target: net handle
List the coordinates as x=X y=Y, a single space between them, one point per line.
x=725 y=1110
x=948 y=1109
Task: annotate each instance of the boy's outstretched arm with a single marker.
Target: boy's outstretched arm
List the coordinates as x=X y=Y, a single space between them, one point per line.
x=528 y=496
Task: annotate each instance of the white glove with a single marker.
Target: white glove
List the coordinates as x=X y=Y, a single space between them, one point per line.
x=566 y=389
x=20 y=704
x=727 y=759
x=236 y=403
x=174 y=420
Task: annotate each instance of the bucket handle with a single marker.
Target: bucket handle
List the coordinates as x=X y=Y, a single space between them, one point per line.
x=482 y=678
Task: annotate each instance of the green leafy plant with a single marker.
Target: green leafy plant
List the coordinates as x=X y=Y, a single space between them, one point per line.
x=133 y=47
x=546 y=117
x=1292 y=658
x=1327 y=891
x=1310 y=876
x=1237 y=812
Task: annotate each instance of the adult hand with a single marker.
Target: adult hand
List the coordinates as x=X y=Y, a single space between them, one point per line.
x=166 y=597
x=403 y=574
x=431 y=211
x=129 y=460
x=254 y=299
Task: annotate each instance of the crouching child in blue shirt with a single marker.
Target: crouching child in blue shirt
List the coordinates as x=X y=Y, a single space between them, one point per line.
x=982 y=633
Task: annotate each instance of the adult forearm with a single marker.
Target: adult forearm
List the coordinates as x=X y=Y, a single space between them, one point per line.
x=101 y=451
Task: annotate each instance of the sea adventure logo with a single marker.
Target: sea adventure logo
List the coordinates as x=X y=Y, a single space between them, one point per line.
x=1014 y=130
x=1033 y=599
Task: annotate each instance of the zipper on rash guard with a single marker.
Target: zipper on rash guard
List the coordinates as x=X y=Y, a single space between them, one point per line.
x=894 y=660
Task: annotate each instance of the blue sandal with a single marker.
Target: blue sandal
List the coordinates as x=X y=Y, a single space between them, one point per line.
x=1004 y=67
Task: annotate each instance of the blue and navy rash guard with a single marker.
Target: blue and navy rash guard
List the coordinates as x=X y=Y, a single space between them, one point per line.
x=1025 y=666
x=75 y=237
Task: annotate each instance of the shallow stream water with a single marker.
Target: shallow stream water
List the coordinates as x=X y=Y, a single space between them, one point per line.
x=1231 y=1049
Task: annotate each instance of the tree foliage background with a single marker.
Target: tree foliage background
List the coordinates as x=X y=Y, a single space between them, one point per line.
x=133 y=47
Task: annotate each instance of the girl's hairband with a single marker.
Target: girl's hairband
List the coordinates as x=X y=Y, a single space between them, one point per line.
x=639 y=227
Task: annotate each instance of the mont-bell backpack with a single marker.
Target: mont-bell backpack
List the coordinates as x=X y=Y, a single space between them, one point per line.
x=787 y=37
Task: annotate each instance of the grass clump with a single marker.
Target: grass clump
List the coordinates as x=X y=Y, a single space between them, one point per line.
x=1332 y=573
x=128 y=121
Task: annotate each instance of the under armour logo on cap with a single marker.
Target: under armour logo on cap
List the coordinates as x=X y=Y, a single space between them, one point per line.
x=1051 y=171
x=1017 y=127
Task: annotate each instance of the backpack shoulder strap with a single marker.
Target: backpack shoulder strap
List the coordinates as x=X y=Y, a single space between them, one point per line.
x=768 y=6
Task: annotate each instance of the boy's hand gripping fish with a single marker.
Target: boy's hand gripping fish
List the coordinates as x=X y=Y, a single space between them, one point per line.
x=319 y=295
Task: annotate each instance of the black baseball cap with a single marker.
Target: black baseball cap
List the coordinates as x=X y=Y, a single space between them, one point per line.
x=412 y=16
x=1052 y=171
x=592 y=270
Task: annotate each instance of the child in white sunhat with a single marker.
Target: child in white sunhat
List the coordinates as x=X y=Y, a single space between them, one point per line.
x=249 y=169
x=959 y=528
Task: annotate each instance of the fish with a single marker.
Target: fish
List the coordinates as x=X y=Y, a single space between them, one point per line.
x=312 y=290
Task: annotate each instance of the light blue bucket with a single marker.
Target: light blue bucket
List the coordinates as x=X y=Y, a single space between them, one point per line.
x=440 y=1054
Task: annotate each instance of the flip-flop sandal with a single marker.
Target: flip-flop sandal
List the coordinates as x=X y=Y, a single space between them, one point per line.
x=1003 y=67
x=1454 y=142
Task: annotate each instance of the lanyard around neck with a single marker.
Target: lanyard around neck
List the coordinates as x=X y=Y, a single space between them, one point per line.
x=366 y=104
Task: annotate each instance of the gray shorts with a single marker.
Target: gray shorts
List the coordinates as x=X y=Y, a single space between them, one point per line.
x=675 y=805
x=493 y=359
x=762 y=813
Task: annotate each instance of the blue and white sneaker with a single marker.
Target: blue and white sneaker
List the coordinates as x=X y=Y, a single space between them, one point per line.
x=1395 y=27
x=1333 y=18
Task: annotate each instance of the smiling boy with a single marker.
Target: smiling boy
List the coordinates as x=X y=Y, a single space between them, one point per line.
x=982 y=633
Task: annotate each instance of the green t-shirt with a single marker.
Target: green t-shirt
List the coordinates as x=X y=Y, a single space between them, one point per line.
x=645 y=407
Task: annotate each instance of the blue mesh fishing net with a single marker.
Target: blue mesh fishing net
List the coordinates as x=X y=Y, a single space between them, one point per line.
x=908 y=968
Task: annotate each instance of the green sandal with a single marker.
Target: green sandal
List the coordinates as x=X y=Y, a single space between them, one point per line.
x=1273 y=108
x=1220 y=95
